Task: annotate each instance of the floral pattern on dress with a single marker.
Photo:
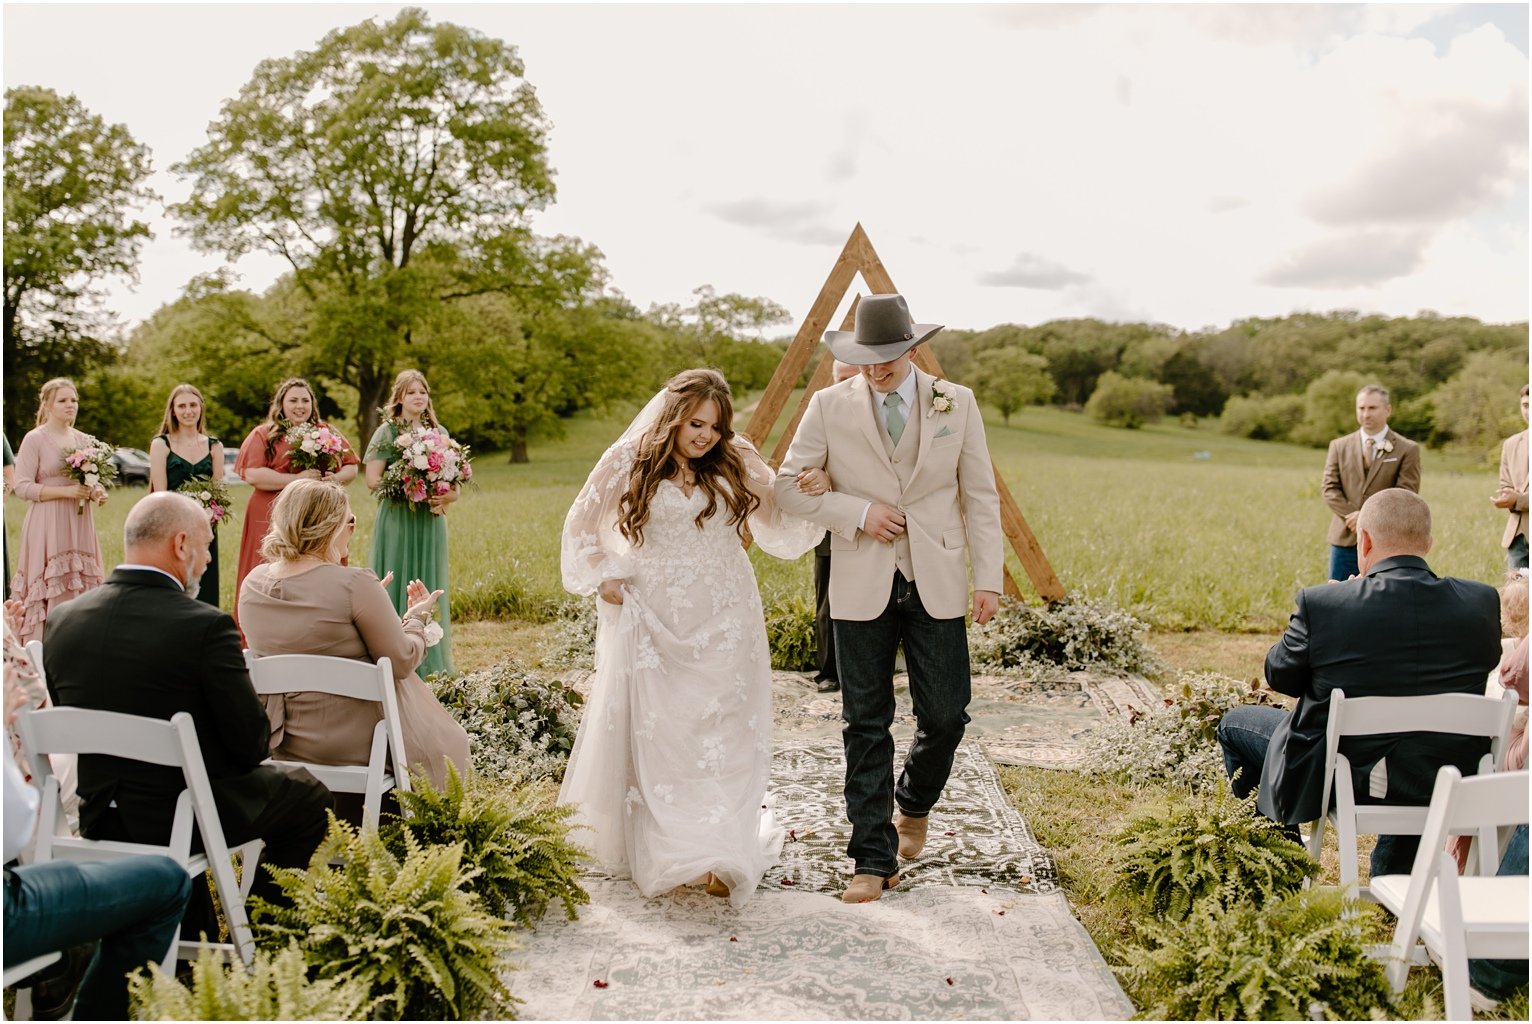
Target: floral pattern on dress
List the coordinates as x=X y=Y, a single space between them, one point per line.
x=671 y=764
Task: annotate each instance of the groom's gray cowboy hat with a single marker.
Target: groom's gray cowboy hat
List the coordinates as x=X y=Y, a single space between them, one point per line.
x=884 y=332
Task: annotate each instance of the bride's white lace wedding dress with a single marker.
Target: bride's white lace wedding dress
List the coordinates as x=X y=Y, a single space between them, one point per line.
x=671 y=762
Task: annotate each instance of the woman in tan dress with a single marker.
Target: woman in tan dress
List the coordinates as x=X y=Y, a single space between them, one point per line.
x=302 y=600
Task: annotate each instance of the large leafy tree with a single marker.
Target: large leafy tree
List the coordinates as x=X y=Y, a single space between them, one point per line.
x=372 y=164
x=73 y=184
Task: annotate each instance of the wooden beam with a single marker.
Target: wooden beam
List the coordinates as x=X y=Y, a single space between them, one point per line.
x=807 y=339
x=821 y=379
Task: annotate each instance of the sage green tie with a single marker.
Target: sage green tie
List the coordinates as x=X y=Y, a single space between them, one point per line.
x=892 y=402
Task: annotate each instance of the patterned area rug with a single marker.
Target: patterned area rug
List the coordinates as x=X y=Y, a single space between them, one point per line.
x=977 y=931
x=1037 y=722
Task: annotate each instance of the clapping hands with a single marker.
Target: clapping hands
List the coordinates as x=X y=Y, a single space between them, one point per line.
x=421 y=600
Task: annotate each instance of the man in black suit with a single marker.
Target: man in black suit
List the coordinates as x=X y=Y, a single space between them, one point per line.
x=1395 y=630
x=141 y=644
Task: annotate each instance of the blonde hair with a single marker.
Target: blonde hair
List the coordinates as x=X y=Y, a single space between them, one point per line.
x=45 y=396
x=395 y=407
x=304 y=521
x=1513 y=605
x=169 y=422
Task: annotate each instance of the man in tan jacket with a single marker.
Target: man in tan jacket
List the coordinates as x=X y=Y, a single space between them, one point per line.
x=1512 y=495
x=913 y=491
x=1360 y=465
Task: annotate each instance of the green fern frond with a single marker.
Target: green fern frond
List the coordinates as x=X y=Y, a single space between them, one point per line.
x=275 y=988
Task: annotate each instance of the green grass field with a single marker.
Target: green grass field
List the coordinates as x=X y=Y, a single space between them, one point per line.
x=1186 y=528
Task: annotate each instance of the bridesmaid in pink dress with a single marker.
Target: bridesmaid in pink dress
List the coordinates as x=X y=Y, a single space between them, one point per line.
x=60 y=556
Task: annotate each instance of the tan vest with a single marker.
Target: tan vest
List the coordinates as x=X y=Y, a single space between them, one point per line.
x=903 y=457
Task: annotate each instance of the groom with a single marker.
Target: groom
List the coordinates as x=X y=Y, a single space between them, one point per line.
x=912 y=489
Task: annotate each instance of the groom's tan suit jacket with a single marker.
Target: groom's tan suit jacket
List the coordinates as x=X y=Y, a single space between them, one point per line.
x=1513 y=476
x=939 y=475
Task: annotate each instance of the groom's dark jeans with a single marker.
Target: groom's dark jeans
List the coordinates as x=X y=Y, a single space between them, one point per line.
x=936 y=654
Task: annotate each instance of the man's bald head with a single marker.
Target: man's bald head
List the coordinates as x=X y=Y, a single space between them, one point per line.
x=170 y=532
x=1393 y=522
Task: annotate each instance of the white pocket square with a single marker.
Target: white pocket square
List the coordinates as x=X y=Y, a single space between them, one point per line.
x=944 y=432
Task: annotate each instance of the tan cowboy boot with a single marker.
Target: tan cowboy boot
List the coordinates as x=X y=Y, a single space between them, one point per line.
x=716 y=886
x=866 y=888
x=912 y=834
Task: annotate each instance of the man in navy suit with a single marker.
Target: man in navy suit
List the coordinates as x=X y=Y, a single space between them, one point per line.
x=1398 y=629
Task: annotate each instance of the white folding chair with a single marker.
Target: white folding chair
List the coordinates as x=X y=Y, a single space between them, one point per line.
x=35 y=656
x=1483 y=916
x=343 y=677
x=154 y=741
x=23 y=971
x=1464 y=714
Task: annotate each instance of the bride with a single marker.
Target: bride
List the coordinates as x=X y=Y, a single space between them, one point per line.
x=673 y=753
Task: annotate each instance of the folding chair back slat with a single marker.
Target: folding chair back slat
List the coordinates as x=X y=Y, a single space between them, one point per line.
x=359 y=680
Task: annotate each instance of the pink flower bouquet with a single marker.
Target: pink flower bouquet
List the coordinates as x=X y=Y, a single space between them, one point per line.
x=315 y=447
x=430 y=464
x=91 y=464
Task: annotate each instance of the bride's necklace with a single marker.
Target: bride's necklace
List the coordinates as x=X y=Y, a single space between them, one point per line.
x=687 y=477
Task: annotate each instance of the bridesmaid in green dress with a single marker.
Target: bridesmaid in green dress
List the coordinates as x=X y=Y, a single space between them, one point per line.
x=181 y=451
x=409 y=540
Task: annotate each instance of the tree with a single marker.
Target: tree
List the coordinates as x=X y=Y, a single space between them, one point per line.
x=1477 y=408
x=374 y=164
x=72 y=185
x=1127 y=401
x=1012 y=378
x=1329 y=407
x=714 y=319
x=1194 y=385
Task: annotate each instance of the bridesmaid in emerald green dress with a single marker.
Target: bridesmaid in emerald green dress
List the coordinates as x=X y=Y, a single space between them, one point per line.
x=181 y=451
x=409 y=539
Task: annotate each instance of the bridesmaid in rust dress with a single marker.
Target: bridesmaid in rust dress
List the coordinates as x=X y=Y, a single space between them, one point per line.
x=265 y=463
x=60 y=558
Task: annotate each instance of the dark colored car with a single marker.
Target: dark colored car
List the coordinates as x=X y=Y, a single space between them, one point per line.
x=132 y=466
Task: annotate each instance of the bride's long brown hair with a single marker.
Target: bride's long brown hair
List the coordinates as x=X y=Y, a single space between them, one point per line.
x=657 y=459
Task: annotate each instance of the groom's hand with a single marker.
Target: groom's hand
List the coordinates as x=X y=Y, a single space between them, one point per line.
x=884 y=522
x=985 y=604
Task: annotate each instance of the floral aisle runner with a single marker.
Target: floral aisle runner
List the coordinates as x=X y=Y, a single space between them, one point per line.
x=1037 y=722
x=978 y=929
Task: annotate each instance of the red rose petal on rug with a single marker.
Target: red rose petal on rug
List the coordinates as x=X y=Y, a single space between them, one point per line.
x=949 y=981
x=788 y=881
x=952 y=833
x=733 y=938
x=792 y=835
x=599 y=983
x=1001 y=913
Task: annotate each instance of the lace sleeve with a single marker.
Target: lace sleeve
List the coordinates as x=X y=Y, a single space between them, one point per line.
x=777 y=531
x=592 y=549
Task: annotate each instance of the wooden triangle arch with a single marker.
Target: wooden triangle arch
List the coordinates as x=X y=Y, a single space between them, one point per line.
x=858 y=255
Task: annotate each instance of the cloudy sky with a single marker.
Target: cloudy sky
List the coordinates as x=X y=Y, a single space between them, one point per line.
x=1188 y=165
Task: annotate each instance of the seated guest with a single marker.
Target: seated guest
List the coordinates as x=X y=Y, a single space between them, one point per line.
x=1397 y=629
x=141 y=644
x=303 y=600
x=132 y=905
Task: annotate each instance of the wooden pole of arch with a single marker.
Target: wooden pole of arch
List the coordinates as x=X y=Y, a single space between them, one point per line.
x=858 y=256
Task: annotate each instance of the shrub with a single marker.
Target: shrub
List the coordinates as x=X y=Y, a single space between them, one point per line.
x=790 y=632
x=1262 y=419
x=516 y=836
x=1072 y=634
x=1176 y=741
x=1258 y=962
x=1129 y=402
x=522 y=723
x=573 y=644
x=411 y=929
x=1214 y=848
x=275 y=988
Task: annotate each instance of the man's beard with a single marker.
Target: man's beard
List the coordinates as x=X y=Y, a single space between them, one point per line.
x=192 y=585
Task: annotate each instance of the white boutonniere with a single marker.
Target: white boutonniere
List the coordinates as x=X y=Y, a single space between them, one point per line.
x=1385 y=446
x=941 y=400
